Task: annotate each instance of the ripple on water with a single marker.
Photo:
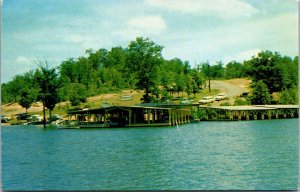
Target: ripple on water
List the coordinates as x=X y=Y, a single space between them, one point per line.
x=248 y=155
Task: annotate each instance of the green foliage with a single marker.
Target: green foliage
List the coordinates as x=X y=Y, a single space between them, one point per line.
x=190 y=85
x=180 y=83
x=11 y=91
x=217 y=71
x=47 y=81
x=241 y=101
x=200 y=114
x=140 y=65
x=27 y=97
x=5 y=93
x=165 y=96
x=74 y=92
x=21 y=89
x=213 y=71
x=275 y=71
x=289 y=96
x=197 y=78
x=225 y=104
x=78 y=95
x=234 y=70
x=260 y=94
x=144 y=59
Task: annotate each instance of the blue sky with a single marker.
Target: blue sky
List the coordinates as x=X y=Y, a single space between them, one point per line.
x=193 y=30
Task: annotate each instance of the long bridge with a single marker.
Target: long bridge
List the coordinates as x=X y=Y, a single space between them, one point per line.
x=167 y=115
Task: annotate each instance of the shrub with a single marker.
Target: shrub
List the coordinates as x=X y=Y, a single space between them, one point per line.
x=225 y=104
x=289 y=96
x=241 y=101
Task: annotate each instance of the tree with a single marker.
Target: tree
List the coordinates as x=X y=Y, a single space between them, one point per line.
x=166 y=81
x=15 y=86
x=205 y=70
x=190 y=85
x=48 y=83
x=144 y=59
x=5 y=96
x=260 y=94
x=77 y=94
x=27 y=97
x=12 y=91
x=234 y=70
x=213 y=71
x=197 y=77
x=289 y=96
x=67 y=71
x=180 y=83
x=116 y=58
x=217 y=71
x=275 y=71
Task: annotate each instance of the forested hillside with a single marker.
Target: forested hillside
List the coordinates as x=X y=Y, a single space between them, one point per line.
x=141 y=66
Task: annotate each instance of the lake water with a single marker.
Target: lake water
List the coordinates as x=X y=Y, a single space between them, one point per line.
x=247 y=155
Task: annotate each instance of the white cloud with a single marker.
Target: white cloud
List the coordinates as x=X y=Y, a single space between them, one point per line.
x=187 y=6
x=242 y=56
x=23 y=60
x=74 y=38
x=142 y=26
x=236 y=42
x=153 y=24
x=188 y=29
x=226 y=9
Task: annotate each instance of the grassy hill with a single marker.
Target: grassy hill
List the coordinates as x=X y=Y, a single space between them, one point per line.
x=115 y=99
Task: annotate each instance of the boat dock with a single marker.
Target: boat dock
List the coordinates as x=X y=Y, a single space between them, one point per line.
x=168 y=115
x=130 y=116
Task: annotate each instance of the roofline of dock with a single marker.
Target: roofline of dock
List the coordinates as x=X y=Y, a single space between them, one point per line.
x=254 y=107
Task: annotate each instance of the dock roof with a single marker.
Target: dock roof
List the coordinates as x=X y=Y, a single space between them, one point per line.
x=256 y=107
x=103 y=109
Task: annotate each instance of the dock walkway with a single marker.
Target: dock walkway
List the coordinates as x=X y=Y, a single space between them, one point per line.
x=251 y=112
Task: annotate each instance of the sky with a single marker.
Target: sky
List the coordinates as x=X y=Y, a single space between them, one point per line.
x=191 y=30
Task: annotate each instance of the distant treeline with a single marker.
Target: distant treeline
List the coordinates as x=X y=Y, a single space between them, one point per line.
x=141 y=66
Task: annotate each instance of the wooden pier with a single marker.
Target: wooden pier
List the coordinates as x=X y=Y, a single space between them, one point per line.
x=167 y=115
x=253 y=112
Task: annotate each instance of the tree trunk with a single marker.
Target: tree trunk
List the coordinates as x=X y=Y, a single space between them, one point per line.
x=44 y=115
x=50 y=111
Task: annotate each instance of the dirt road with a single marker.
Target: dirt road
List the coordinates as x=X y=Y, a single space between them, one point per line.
x=232 y=87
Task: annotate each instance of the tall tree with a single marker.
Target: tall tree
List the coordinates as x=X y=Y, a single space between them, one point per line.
x=48 y=83
x=144 y=59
